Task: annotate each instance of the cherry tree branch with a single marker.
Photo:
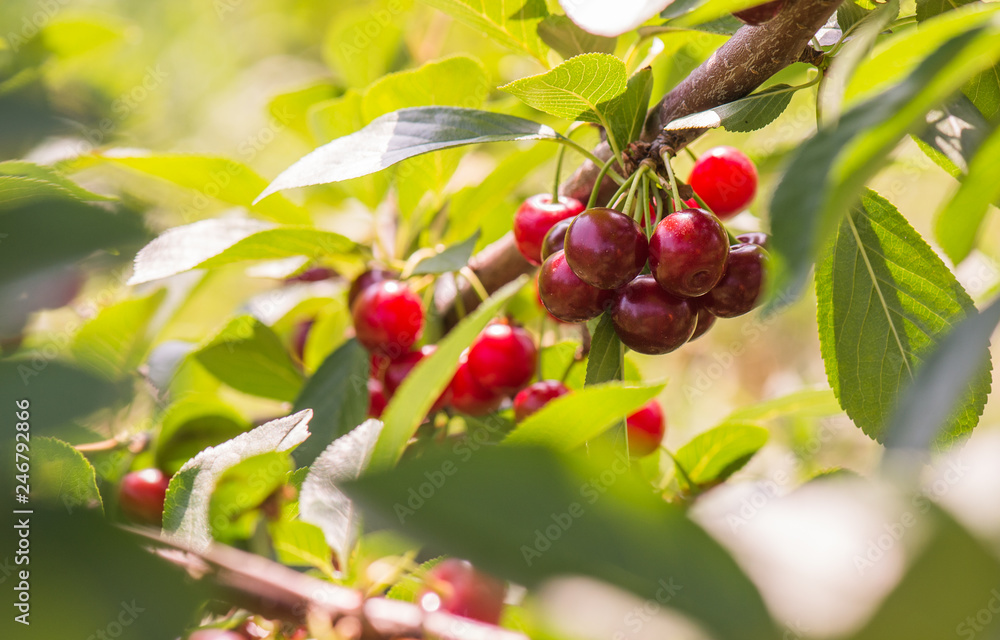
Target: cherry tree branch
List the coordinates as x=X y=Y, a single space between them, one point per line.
x=746 y=60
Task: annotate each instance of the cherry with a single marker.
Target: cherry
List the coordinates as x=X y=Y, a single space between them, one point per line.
x=376 y=398
x=367 y=279
x=312 y=274
x=725 y=178
x=467 y=395
x=565 y=295
x=761 y=13
x=142 y=494
x=756 y=238
x=555 y=238
x=399 y=368
x=605 y=248
x=458 y=588
x=650 y=320
x=688 y=252
x=534 y=397
x=299 y=336
x=645 y=430
x=705 y=320
x=740 y=287
x=502 y=358
x=535 y=217
x=388 y=318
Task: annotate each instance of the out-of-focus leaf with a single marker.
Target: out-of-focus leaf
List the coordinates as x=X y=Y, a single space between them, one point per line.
x=57 y=391
x=808 y=402
x=352 y=46
x=449 y=259
x=192 y=424
x=60 y=474
x=240 y=489
x=408 y=589
x=568 y=40
x=512 y=24
x=115 y=342
x=299 y=543
x=711 y=457
x=53 y=179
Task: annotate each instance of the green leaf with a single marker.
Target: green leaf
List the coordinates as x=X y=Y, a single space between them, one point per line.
x=53 y=180
x=60 y=473
x=214 y=243
x=364 y=40
x=338 y=396
x=850 y=13
x=292 y=108
x=58 y=391
x=299 y=543
x=806 y=403
x=984 y=92
x=449 y=259
x=192 y=424
x=408 y=589
x=400 y=135
x=953 y=135
x=186 y=510
x=957 y=225
x=241 y=489
x=751 y=113
x=322 y=503
x=570 y=421
x=513 y=24
x=528 y=514
x=627 y=113
x=219 y=178
x=420 y=389
x=114 y=343
x=961 y=360
x=885 y=302
x=568 y=40
x=554 y=359
x=604 y=364
x=249 y=357
x=930 y=8
x=827 y=172
x=711 y=457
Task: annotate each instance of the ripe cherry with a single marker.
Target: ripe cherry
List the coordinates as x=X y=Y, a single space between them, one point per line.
x=565 y=295
x=688 y=252
x=650 y=320
x=645 y=430
x=605 y=248
x=761 y=13
x=535 y=396
x=399 y=368
x=467 y=395
x=367 y=279
x=388 y=318
x=740 y=287
x=313 y=274
x=555 y=238
x=376 y=398
x=756 y=237
x=705 y=320
x=503 y=358
x=299 y=336
x=456 y=587
x=725 y=178
x=535 y=217
x=142 y=494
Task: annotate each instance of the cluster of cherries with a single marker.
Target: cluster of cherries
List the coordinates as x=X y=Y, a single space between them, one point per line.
x=595 y=260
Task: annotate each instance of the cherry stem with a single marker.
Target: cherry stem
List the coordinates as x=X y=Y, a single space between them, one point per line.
x=636 y=181
x=644 y=205
x=559 y=162
x=475 y=282
x=590 y=156
x=691 y=153
x=103 y=445
x=732 y=239
x=673 y=181
x=680 y=468
x=657 y=195
x=597 y=183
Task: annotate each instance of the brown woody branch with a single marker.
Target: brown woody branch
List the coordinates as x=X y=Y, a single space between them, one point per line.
x=746 y=60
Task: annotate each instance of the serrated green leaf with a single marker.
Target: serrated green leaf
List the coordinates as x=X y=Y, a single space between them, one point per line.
x=930 y=8
x=449 y=259
x=53 y=179
x=420 y=389
x=299 y=543
x=628 y=112
x=751 y=113
x=850 y=13
x=885 y=301
x=513 y=24
x=711 y=457
x=571 y=420
x=568 y=40
x=604 y=364
x=209 y=244
x=249 y=357
x=190 y=425
x=60 y=474
x=241 y=489
x=114 y=342
x=186 y=510
x=984 y=92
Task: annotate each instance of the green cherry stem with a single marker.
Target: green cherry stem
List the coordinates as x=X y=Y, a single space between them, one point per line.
x=673 y=181
x=555 y=182
x=636 y=181
x=590 y=156
x=597 y=184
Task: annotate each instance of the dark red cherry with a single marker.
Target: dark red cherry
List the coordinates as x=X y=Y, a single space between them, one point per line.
x=313 y=274
x=141 y=495
x=376 y=398
x=555 y=238
x=650 y=320
x=535 y=218
x=399 y=368
x=467 y=395
x=645 y=430
x=688 y=252
x=456 y=587
x=761 y=13
x=757 y=238
x=388 y=318
x=367 y=279
x=740 y=287
x=299 y=336
x=726 y=179
x=705 y=320
x=565 y=295
x=503 y=358
x=605 y=248
x=535 y=396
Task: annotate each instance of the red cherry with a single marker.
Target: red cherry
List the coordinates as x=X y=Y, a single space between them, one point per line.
x=535 y=218
x=538 y=298
x=650 y=320
x=377 y=366
x=376 y=398
x=313 y=274
x=565 y=295
x=142 y=494
x=299 y=336
x=555 y=238
x=740 y=287
x=388 y=318
x=503 y=358
x=688 y=252
x=645 y=430
x=761 y=13
x=704 y=322
x=467 y=395
x=726 y=179
x=458 y=588
x=756 y=237
x=535 y=396
x=367 y=279
x=605 y=248
x=400 y=368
